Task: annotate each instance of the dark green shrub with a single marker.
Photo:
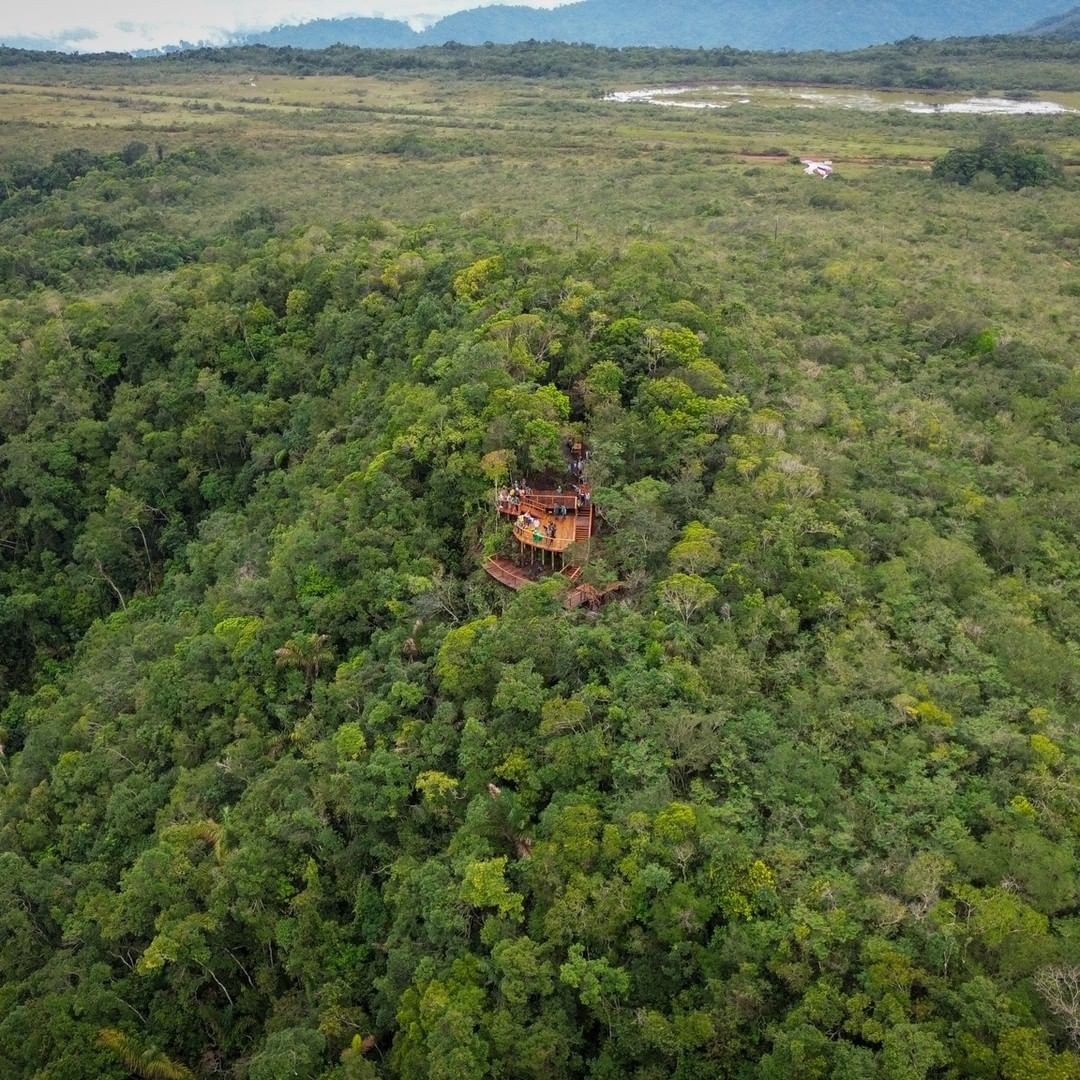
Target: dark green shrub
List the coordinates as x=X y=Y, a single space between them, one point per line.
x=998 y=158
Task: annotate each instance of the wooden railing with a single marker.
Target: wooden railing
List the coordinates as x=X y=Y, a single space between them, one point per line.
x=549 y=500
x=527 y=534
x=505 y=573
x=541 y=503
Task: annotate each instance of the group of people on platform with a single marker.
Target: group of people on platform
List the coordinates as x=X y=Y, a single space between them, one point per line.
x=579 y=458
x=540 y=531
x=510 y=498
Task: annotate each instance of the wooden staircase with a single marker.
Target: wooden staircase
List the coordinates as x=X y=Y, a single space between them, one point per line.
x=583 y=525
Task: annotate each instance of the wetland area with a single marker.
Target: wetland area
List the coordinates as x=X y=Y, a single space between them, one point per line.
x=721 y=96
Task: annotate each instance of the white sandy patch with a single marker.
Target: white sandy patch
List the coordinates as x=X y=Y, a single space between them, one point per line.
x=1001 y=106
x=813 y=98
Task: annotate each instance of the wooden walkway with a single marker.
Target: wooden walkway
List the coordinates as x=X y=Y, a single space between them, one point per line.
x=505 y=572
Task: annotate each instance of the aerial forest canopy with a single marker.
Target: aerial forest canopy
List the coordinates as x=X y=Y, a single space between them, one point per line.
x=291 y=788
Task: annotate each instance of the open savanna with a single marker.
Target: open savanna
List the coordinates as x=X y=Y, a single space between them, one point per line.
x=546 y=158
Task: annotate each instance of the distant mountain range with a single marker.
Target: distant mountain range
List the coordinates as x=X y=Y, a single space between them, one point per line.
x=744 y=24
x=322 y=33
x=1065 y=26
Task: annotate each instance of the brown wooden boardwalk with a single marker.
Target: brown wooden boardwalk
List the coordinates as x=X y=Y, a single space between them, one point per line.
x=505 y=572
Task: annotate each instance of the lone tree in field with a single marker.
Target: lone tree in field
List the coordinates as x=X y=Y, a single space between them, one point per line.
x=999 y=162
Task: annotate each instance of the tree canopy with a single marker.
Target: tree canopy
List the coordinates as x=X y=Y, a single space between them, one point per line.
x=291 y=788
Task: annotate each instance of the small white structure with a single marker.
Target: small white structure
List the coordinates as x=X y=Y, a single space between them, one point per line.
x=818 y=168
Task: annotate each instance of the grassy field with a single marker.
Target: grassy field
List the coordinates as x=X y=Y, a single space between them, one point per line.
x=547 y=158
x=345 y=123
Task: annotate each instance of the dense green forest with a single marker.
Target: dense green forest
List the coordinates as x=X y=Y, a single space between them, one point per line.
x=959 y=63
x=290 y=788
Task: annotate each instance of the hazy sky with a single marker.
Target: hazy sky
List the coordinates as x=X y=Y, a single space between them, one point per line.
x=133 y=24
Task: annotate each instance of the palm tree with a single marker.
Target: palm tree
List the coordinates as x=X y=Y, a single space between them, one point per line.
x=150 y=1064
x=308 y=652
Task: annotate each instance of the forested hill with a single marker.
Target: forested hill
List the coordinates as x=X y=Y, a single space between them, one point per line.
x=741 y=24
x=1065 y=26
x=320 y=33
x=746 y=24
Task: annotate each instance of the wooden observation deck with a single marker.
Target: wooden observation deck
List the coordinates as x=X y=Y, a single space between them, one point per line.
x=549 y=522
